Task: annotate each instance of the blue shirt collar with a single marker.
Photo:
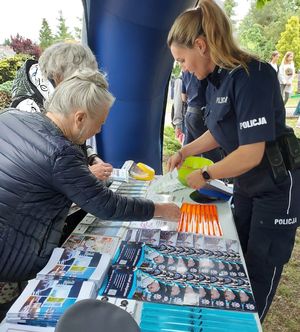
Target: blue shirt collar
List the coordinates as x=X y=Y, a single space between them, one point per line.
x=216 y=76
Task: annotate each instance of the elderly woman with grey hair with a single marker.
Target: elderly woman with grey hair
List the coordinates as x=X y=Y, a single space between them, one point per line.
x=42 y=171
x=36 y=81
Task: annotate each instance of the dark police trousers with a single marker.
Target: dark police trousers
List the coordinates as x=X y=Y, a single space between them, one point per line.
x=195 y=127
x=266 y=216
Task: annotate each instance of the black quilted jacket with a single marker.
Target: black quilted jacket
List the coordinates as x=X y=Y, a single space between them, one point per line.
x=41 y=174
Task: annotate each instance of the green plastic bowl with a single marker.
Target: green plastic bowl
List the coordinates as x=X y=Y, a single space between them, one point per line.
x=191 y=164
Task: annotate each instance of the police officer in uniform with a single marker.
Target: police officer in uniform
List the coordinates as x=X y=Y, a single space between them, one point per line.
x=193 y=93
x=245 y=116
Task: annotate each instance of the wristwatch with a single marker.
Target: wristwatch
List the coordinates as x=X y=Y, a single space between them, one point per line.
x=205 y=174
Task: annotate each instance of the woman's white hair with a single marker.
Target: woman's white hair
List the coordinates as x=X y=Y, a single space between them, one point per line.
x=61 y=60
x=86 y=90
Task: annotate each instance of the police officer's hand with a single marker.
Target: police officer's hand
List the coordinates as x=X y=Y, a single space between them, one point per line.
x=178 y=132
x=195 y=179
x=174 y=161
x=101 y=170
x=168 y=211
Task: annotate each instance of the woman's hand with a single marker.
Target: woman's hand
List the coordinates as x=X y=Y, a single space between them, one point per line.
x=167 y=211
x=174 y=161
x=178 y=132
x=101 y=170
x=204 y=143
x=195 y=179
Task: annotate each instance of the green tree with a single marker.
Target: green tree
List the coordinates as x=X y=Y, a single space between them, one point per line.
x=260 y=30
x=78 y=29
x=261 y=3
x=171 y=145
x=46 y=36
x=63 y=30
x=290 y=39
x=5 y=94
x=176 y=70
x=253 y=40
x=229 y=6
x=6 y=42
x=9 y=67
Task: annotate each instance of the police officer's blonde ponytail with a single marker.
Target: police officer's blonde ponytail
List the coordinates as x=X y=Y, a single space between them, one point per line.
x=209 y=20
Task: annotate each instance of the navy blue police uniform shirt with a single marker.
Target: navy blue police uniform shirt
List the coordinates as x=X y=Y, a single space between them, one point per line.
x=244 y=108
x=194 y=89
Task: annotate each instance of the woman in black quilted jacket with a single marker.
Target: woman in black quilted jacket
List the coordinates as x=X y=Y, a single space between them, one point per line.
x=42 y=171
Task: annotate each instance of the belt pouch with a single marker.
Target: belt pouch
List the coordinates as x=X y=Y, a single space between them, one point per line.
x=290 y=147
x=276 y=161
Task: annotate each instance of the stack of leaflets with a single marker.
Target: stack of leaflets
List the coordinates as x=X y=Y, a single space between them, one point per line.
x=76 y=264
x=120 y=175
x=44 y=301
x=98 y=243
x=89 y=219
x=91 y=225
x=200 y=218
x=183 y=239
x=69 y=276
x=134 y=188
x=154 y=223
x=180 y=275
